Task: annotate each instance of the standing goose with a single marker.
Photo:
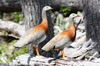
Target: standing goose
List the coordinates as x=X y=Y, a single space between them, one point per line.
x=35 y=34
x=62 y=39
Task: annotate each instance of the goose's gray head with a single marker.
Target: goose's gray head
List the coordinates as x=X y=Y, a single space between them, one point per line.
x=73 y=15
x=46 y=8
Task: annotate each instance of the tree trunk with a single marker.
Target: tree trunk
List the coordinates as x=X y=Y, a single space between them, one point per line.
x=92 y=19
x=14 y=5
x=32 y=10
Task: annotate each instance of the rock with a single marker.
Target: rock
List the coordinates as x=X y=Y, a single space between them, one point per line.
x=23 y=60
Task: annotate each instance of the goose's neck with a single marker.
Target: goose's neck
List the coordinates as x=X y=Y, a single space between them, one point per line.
x=71 y=20
x=72 y=26
x=44 y=16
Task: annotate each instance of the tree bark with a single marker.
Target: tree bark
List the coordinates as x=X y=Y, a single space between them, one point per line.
x=14 y=5
x=72 y=4
x=32 y=10
x=92 y=19
x=10 y=5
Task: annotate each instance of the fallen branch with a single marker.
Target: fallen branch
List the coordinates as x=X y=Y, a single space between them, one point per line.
x=75 y=63
x=38 y=60
x=42 y=61
x=14 y=28
x=78 y=51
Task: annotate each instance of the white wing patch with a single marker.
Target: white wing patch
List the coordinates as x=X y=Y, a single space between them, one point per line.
x=63 y=43
x=40 y=37
x=30 y=37
x=48 y=46
x=57 y=42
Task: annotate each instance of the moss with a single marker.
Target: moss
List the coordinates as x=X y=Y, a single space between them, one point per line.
x=65 y=11
x=17 y=16
x=6 y=52
x=21 y=51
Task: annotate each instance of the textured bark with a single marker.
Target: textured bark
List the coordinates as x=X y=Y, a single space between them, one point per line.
x=14 y=5
x=32 y=15
x=10 y=5
x=92 y=19
x=72 y=4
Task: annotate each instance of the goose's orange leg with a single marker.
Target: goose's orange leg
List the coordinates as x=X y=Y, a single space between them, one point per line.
x=62 y=52
x=37 y=52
